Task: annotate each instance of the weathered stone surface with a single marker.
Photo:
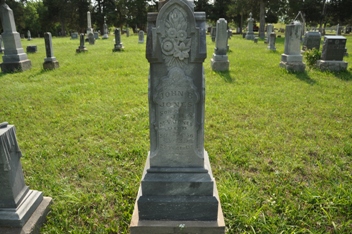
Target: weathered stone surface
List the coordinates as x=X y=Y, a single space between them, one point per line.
x=219 y=61
x=311 y=40
x=292 y=60
x=269 y=30
x=177 y=183
x=17 y=202
x=272 y=41
x=141 y=37
x=250 y=33
x=334 y=48
x=332 y=65
x=34 y=223
x=91 y=38
x=14 y=59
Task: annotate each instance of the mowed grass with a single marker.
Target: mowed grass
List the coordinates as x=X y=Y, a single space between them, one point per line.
x=280 y=143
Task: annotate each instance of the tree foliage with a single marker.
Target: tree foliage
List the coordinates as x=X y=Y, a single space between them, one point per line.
x=63 y=16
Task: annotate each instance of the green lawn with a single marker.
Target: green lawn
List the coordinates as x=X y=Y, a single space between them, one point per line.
x=280 y=143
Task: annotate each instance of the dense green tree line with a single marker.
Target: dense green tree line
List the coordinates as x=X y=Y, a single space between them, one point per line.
x=63 y=16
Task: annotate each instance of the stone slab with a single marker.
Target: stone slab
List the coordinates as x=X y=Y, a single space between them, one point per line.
x=325 y=65
x=222 y=65
x=34 y=223
x=50 y=65
x=293 y=66
x=16 y=66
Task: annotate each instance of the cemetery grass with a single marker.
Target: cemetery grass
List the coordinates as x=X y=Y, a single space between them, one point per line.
x=280 y=144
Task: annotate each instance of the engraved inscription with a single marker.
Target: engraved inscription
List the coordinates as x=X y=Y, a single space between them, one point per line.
x=175 y=100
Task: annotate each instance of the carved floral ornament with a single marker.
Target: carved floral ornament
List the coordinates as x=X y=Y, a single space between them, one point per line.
x=176 y=45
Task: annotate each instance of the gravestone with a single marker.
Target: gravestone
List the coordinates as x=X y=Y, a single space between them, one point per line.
x=74 y=35
x=81 y=47
x=118 y=45
x=21 y=210
x=141 y=37
x=29 y=37
x=250 y=33
x=14 y=59
x=229 y=31
x=31 y=49
x=220 y=60
x=1 y=47
x=178 y=192
x=105 y=36
x=89 y=24
x=311 y=40
x=96 y=35
x=292 y=59
x=127 y=32
x=213 y=34
x=269 y=30
x=50 y=61
x=338 y=30
x=91 y=38
x=332 y=54
x=272 y=41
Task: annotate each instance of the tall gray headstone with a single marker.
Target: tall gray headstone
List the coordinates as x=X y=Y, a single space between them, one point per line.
x=17 y=202
x=177 y=185
x=127 y=31
x=50 y=61
x=29 y=37
x=213 y=33
x=269 y=30
x=14 y=59
x=118 y=45
x=141 y=37
x=333 y=53
x=338 y=30
x=250 y=33
x=311 y=40
x=220 y=60
x=292 y=59
x=105 y=36
x=89 y=23
x=272 y=41
x=81 y=47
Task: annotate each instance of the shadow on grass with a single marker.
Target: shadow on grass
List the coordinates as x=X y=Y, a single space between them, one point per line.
x=225 y=75
x=343 y=75
x=303 y=76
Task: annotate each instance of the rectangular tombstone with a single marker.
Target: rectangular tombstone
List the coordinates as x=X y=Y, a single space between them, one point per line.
x=177 y=183
x=219 y=61
x=311 y=40
x=50 y=61
x=333 y=48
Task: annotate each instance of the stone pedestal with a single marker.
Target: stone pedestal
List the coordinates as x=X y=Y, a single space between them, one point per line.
x=14 y=59
x=292 y=60
x=81 y=47
x=18 y=204
x=118 y=45
x=220 y=61
x=250 y=33
x=335 y=66
x=177 y=192
x=50 y=61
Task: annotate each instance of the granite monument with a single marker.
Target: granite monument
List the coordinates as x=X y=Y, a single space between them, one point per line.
x=220 y=60
x=332 y=54
x=50 y=61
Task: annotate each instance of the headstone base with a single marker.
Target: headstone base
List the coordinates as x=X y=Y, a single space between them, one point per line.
x=17 y=217
x=105 y=36
x=118 y=48
x=293 y=66
x=80 y=50
x=220 y=63
x=273 y=48
x=32 y=226
x=326 y=65
x=250 y=36
x=16 y=66
x=180 y=224
x=50 y=65
x=140 y=42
